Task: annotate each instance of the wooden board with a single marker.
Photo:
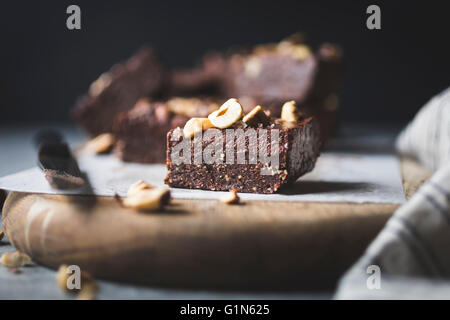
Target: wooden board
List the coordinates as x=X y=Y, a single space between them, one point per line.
x=200 y=243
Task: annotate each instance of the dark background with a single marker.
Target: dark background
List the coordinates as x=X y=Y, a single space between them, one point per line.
x=390 y=73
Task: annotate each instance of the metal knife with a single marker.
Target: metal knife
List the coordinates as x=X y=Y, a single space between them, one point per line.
x=57 y=161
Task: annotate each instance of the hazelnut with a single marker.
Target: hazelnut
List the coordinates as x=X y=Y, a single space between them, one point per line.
x=1 y=234
x=139 y=186
x=148 y=199
x=88 y=291
x=227 y=115
x=196 y=125
x=100 y=84
x=289 y=111
x=231 y=197
x=296 y=51
x=15 y=259
x=101 y=144
x=256 y=116
x=88 y=285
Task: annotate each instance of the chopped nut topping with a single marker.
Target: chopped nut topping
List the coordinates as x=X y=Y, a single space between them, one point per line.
x=101 y=144
x=15 y=259
x=231 y=197
x=100 y=84
x=297 y=51
x=256 y=116
x=190 y=107
x=139 y=186
x=148 y=199
x=196 y=125
x=227 y=115
x=289 y=112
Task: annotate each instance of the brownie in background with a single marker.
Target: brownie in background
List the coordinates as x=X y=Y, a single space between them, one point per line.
x=272 y=74
x=141 y=132
x=118 y=90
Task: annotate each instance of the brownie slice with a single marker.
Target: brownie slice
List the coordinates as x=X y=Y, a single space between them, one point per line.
x=298 y=148
x=141 y=132
x=118 y=90
x=274 y=73
x=204 y=79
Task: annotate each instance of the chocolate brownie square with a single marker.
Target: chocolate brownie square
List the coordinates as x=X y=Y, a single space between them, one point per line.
x=118 y=90
x=141 y=132
x=249 y=156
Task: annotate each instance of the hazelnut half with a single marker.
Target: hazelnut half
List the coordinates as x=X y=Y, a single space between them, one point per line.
x=231 y=197
x=15 y=259
x=227 y=115
x=148 y=199
x=256 y=116
x=196 y=125
x=289 y=111
x=138 y=186
x=101 y=144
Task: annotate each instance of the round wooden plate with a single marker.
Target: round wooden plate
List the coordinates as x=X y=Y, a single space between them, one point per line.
x=196 y=243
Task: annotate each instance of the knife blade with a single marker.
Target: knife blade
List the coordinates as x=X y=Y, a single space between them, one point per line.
x=57 y=162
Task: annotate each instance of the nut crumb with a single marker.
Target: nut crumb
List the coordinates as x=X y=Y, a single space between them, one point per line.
x=139 y=186
x=88 y=291
x=256 y=116
x=231 y=197
x=14 y=270
x=101 y=144
x=148 y=199
x=88 y=285
x=15 y=259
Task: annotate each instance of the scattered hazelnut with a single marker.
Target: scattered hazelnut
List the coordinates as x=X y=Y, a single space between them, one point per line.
x=227 y=115
x=61 y=277
x=231 y=197
x=196 y=125
x=148 y=199
x=139 y=186
x=101 y=144
x=88 y=291
x=15 y=259
x=289 y=111
x=256 y=116
x=1 y=234
x=88 y=285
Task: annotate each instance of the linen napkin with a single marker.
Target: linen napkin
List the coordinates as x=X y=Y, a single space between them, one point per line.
x=410 y=257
